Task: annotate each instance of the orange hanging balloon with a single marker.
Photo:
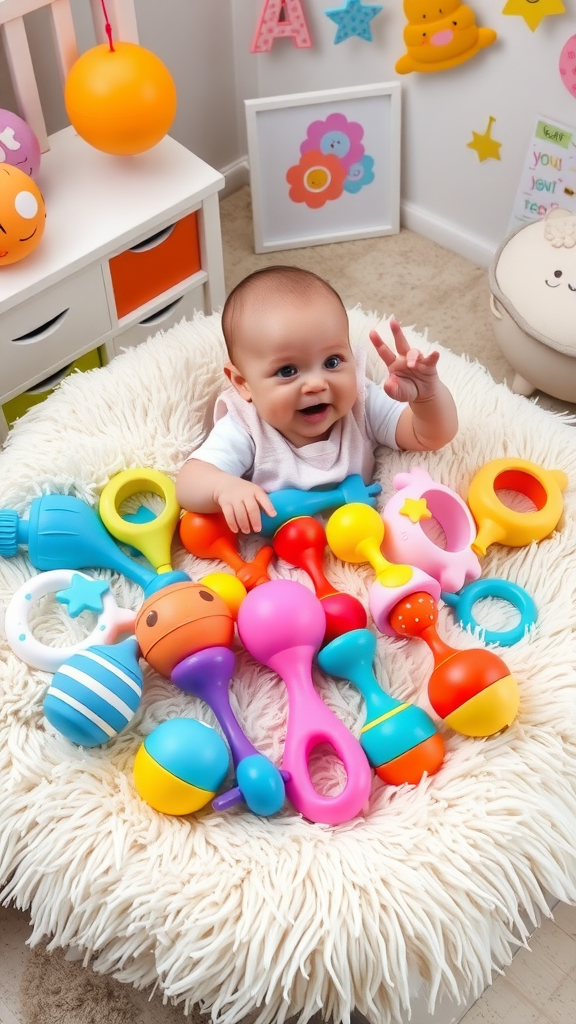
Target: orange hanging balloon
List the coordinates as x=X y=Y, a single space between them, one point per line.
x=120 y=100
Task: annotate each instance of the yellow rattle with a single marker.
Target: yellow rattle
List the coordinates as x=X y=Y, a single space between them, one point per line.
x=154 y=537
x=502 y=525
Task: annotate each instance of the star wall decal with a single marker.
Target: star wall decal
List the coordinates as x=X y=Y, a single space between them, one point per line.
x=353 y=20
x=486 y=147
x=533 y=11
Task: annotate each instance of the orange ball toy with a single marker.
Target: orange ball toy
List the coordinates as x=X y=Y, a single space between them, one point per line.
x=22 y=214
x=180 y=620
x=121 y=101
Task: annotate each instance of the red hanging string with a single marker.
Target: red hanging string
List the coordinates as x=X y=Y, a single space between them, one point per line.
x=107 y=26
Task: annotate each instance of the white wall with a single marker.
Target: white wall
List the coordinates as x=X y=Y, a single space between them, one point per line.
x=447 y=193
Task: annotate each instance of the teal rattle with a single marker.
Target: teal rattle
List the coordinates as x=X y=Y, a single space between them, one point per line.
x=464 y=601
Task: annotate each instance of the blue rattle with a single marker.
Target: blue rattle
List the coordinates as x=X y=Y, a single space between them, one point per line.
x=465 y=599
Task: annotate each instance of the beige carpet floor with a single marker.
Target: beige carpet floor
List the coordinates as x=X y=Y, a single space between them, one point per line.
x=423 y=285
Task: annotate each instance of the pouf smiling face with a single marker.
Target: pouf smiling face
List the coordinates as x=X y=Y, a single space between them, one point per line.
x=440 y=34
x=536 y=278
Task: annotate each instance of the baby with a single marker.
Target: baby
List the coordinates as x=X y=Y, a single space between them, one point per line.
x=299 y=411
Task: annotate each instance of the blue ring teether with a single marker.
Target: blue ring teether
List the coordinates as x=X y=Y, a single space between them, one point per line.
x=465 y=599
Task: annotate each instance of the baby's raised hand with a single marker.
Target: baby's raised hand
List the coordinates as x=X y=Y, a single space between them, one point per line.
x=412 y=375
x=241 y=501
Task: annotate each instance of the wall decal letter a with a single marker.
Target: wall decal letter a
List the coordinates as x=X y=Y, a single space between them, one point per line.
x=280 y=18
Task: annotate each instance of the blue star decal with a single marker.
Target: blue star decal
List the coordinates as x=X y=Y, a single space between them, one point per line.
x=353 y=20
x=83 y=595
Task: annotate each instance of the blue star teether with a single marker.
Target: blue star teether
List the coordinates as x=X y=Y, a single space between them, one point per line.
x=83 y=595
x=353 y=20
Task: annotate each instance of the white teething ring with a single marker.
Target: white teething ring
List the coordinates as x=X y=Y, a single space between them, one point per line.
x=111 y=622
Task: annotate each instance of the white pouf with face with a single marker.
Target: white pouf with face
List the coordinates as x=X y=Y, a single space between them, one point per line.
x=536 y=274
x=533 y=285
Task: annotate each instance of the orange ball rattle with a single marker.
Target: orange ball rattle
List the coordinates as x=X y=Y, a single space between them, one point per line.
x=472 y=690
x=121 y=100
x=22 y=214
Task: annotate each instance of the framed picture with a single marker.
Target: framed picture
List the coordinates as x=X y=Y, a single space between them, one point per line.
x=324 y=166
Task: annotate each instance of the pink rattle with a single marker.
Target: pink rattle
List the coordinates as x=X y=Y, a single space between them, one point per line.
x=282 y=625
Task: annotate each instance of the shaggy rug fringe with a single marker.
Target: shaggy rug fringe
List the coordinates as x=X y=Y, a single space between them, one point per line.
x=437 y=882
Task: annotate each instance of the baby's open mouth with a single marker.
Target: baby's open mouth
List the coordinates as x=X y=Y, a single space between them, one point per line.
x=314 y=410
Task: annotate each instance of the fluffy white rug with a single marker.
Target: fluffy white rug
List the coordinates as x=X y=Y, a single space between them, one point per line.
x=234 y=912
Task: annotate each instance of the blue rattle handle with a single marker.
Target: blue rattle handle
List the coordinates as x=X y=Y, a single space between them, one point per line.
x=464 y=601
x=292 y=502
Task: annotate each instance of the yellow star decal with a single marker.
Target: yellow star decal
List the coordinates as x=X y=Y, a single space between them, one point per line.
x=486 y=147
x=416 y=509
x=533 y=11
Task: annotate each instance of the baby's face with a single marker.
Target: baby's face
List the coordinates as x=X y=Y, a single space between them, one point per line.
x=295 y=363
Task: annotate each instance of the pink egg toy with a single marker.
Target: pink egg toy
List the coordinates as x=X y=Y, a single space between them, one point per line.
x=567 y=65
x=19 y=146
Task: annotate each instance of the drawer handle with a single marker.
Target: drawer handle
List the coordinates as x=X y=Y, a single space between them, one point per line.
x=50 y=382
x=153 y=240
x=161 y=314
x=41 y=332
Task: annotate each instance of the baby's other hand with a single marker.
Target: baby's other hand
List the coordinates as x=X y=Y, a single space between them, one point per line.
x=412 y=375
x=241 y=501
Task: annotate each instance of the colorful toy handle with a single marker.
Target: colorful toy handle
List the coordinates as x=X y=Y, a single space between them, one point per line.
x=282 y=624
x=207 y=674
x=292 y=502
x=311 y=722
x=152 y=538
x=463 y=604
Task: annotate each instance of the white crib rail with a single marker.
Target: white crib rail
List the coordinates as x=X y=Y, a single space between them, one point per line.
x=122 y=17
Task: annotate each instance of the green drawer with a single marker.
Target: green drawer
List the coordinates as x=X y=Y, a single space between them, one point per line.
x=16 y=407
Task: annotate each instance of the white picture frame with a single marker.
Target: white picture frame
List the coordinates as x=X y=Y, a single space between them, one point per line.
x=324 y=166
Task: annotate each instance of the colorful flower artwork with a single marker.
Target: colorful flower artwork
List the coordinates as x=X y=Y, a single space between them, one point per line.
x=332 y=161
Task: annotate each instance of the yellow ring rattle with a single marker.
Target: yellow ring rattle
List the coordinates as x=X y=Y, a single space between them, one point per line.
x=502 y=525
x=153 y=539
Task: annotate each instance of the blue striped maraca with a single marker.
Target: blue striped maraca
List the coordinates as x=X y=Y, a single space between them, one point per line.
x=95 y=694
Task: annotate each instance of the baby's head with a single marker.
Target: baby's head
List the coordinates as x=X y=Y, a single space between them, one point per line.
x=286 y=331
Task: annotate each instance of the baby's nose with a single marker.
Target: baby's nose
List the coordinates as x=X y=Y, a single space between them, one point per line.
x=314 y=381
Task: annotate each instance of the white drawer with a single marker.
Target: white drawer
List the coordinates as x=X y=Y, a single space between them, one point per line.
x=161 y=320
x=48 y=331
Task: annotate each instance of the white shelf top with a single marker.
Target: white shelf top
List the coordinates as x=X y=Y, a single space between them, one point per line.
x=97 y=203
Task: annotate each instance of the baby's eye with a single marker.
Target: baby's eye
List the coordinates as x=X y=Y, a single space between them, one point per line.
x=557 y=273
x=286 y=371
x=332 y=362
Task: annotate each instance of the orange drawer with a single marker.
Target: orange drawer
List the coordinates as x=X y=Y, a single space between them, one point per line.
x=155 y=265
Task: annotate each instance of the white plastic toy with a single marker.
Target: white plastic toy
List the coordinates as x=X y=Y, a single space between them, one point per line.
x=111 y=623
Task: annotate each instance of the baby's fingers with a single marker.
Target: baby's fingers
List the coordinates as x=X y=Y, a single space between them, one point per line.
x=265 y=502
x=385 y=353
x=402 y=346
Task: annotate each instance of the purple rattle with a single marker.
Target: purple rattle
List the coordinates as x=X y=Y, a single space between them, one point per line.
x=207 y=675
x=282 y=624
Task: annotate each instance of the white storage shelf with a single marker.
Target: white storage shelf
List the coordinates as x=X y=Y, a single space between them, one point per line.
x=60 y=302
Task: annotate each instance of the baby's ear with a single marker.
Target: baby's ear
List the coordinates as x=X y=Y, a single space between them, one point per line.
x=237 y=381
